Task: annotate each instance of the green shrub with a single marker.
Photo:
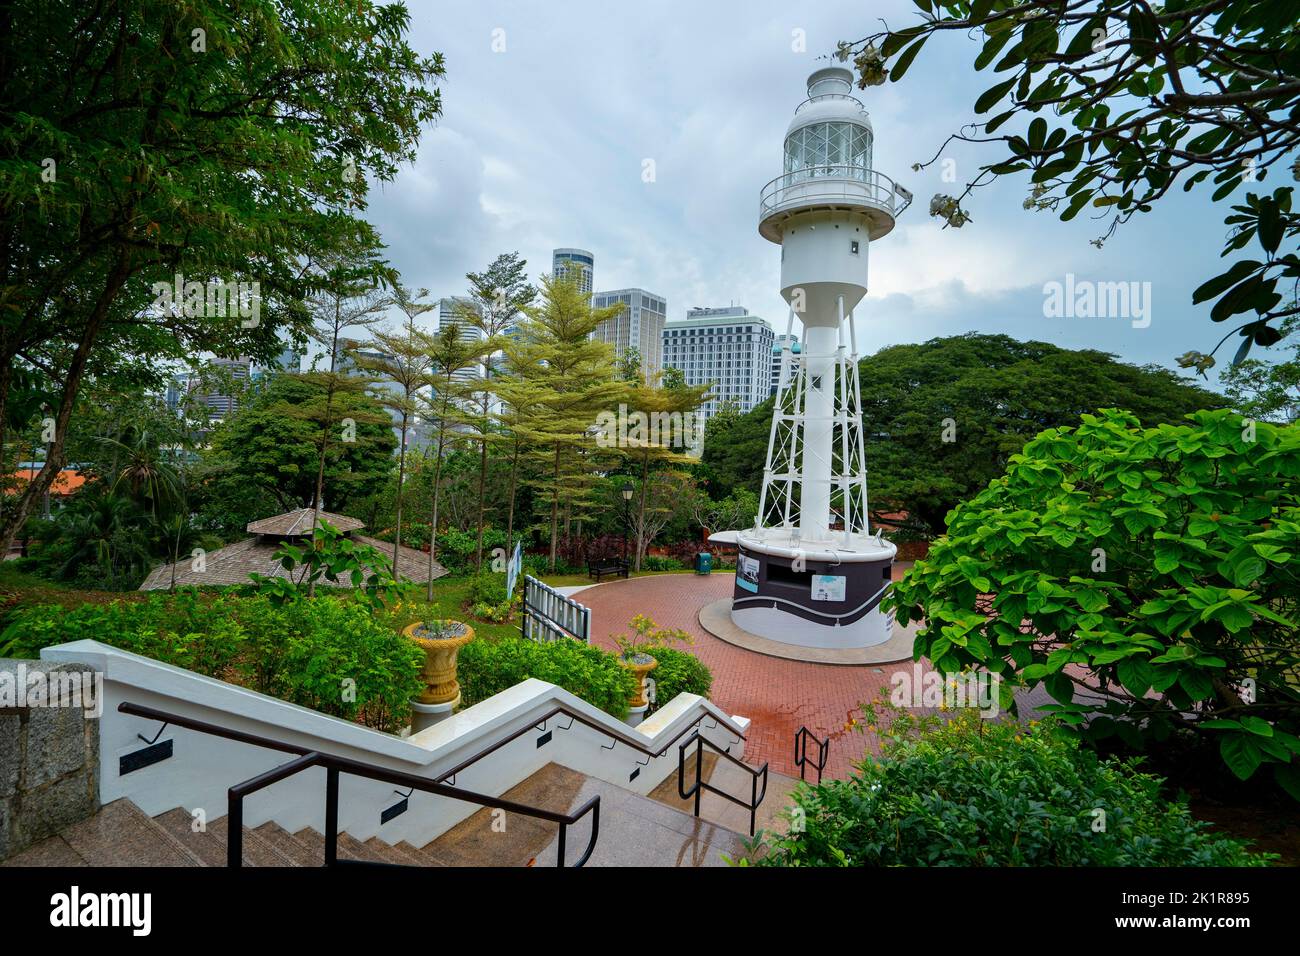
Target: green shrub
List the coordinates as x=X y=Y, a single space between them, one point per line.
x=1158 y=563
x=335 y=558
x=970 y=792
x=332 y=655
x=539 y=566
x=488 y=587
x=456 y=549
x=488 y=667
x=655 y=562
x=495 y=613
x=679 y=672
x=328 y=653
x=185 y=629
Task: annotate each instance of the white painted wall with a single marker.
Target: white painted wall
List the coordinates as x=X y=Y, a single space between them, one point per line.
x=203 y=767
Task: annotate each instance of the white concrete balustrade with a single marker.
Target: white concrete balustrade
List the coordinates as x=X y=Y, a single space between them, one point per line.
x=203 y=767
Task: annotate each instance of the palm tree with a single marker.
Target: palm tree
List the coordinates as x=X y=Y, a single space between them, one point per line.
x=100 y=529
x=141 y=464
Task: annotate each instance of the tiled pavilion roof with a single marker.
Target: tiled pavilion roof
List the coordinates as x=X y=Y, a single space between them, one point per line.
x=235 y=562
x=296 y=523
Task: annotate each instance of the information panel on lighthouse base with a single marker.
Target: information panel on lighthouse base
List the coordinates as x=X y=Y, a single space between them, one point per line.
x=811 y=572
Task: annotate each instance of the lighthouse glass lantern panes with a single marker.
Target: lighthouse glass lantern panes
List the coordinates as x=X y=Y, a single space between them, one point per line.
x=861 y=151
x=818 y=150
x=837 y=144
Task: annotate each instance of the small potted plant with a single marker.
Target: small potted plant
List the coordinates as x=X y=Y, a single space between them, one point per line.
x=441 y=641
x=634 y=653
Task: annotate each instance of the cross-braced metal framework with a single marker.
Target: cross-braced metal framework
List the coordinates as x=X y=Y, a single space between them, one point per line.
x=785 y=468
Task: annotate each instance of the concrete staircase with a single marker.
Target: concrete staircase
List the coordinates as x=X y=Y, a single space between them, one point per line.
x=634 y=831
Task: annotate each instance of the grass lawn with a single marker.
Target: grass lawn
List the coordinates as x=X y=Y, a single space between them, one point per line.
x=451 y=599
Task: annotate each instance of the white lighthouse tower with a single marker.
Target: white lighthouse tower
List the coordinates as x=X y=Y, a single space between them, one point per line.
x=810 y=571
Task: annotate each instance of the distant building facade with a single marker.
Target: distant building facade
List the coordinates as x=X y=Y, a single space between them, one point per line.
x=639 y=325
x=776 y=357
x=725 y=347
x=451 y=311
x=577 y=262
x=223 y=386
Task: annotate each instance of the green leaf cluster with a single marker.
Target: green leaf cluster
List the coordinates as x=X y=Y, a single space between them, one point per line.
x=969 y=792
x=1157 y=566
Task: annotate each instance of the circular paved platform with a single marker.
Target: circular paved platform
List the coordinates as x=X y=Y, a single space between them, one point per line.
x=716 y=619
x=778 y=695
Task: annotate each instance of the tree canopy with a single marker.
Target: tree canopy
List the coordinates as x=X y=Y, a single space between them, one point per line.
x=943 y=417
x=1146 y=577
x=218 y=141
x=273 y=445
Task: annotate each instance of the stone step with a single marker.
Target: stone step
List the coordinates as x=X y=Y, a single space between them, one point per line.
x=402 y=854
x=209 y=844
x=120 y=834
x=349 y=848
x=727 y=777
x=53 y=851
x=285 y=844
x=634 y=830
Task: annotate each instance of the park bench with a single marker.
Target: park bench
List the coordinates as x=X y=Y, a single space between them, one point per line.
x=600 y=567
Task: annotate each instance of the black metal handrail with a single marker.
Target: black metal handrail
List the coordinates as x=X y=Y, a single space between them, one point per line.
x=618 y=738
x=755 y=797
x=801 y=738
x=335 y=765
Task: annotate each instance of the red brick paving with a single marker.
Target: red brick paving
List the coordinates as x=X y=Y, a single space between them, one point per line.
x=778 y=695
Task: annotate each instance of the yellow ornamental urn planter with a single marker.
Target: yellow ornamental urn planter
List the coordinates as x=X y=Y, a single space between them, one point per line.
x=441 y=641
x=640 y=665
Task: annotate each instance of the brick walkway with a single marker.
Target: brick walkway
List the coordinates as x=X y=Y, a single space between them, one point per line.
x=779 y=696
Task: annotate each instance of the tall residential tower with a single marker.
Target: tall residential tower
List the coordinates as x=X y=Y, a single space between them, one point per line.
x=726 y=347
x=579 y=262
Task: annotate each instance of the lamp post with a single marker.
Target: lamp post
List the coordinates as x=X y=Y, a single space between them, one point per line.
x=626 y=491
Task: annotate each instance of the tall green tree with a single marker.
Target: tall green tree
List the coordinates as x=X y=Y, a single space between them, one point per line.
x=346 y=297
x=221 y=141
x=402 y=366
x=657 y=443
x=272 y=447
x=1267 y=389
x=1108 y=105
x=499 y=293
x=453 y=358
x=574 y=376
x=942 y=418
x=522 y=397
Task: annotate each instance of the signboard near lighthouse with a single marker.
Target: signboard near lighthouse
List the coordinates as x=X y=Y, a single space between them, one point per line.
x=815 y=573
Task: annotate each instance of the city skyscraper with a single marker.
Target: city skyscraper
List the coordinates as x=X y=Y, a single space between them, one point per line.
x=452 y=310
x=579 y=261
x=224 y=381
x=727 y=347
x=640 y=325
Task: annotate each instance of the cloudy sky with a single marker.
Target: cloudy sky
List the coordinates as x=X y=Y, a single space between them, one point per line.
x=551 y=111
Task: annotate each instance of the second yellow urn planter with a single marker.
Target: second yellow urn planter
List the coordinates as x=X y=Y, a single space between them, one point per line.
x=441 y=641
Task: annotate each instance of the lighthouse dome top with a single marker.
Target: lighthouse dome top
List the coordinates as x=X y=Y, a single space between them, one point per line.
x=830 y=79
x=830 y=100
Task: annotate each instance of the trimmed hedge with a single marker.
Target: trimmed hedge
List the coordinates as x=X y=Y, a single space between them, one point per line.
x=679 y=672
x=488 y=667
x=328 y=653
